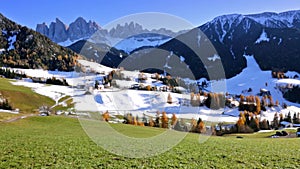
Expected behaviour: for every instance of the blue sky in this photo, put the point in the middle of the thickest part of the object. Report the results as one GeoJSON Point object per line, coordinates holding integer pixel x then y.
{"type": "Point", "coordinates": [197, 12]}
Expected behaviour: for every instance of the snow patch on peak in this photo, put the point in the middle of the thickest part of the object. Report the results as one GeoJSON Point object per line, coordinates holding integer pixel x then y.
{"type": "Point", "coordinates": [224, 23]}
{"type": "Point", "coordinates": [263, 37]}
{"type": "Point", "coordinates": [276, 20]}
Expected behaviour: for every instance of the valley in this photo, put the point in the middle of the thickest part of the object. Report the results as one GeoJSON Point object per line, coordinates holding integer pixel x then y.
{"type": "Point", "coordinates": [223, 94]}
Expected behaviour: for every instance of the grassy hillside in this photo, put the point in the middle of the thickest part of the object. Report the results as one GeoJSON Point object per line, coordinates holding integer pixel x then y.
{"type": "Point", "coordinates": [23, 98]}
{"type": "Point", "coordinates": [58, 142]}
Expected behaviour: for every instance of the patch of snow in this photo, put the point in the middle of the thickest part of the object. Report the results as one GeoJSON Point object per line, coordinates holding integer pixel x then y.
{"type": "Point", "coordinates": [182, 59]}
{"type": "Point", "coordinates": [9, 111]}
{"type": "Point", "coordinates": [263, 37]}
{"type": "Point", "coordinates": [55, 92]}
{"type": "Point", "coordinates": [232, 53]}
{"type": "Point", "coordinates": [11, 41]}
{"type": "Point", "coordinates": [199, 38]}
{"type": "Point", "coordinates": [214, 57]}
{"type": "Point", "coordinates": [4, 32]}
{"type": "Point", "coordinates": [68, 42]}
{"type": "Point", "coordinates": [167, 66]}
{"type": "Point", "coordinates": [247, 26]}
{"type": "Point", "coordinates": [253, 77]}
{"type": "Point", "coordinates": [284, 82]}
{"type": "Point", "coordinates": [96, 54]}
{"type": "Point", "coordinates": [132, 43]}
{"type": "Point", "coordinates": [95, 66]}
{"type": "Point", "coordinates": [2, 50]}
{"type": "Point", "coordinates": [291, 74]}
{"type": "Point", "coordinates": [280, 41]}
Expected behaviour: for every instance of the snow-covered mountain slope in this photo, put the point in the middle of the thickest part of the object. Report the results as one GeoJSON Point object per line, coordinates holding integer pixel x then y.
{"type": "Point", "coordinates": [121, 100]}
{"type": "Point", "coordinates": [146, 40]}
{"type": "Point", "coordinates": [273, 45]}
{"type": "Point", "coordinates": [253, 77]}
{"type": "Point", "coordinates": [277, 20]}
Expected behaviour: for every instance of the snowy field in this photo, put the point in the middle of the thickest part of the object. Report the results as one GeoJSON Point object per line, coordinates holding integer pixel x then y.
{"type": "Point", "coordinates": [137, 102]}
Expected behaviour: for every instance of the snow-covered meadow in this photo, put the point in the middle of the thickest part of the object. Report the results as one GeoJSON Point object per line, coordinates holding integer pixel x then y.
{"type": "Point", "coordinates": [123, 100]}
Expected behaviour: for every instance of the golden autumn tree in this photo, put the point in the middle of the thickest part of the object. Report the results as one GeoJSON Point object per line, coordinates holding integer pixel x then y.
{"type": "Point", "coordinates": [242, 116]}
{"type": "Point", "coordinates": [242, 98]}
{"type": "Point", "coordinates": [164, 120]}
{"type": "Point", "coordinates": [240, 124]}
{"type": "Point", "coordinates": [192, 96]}
{"type": "Point", "coordinates": [135, 121]}
{"type": "Point", "coordinates": [198, 98]}
{"type": "Point", "coordinates": [174, 119]}
{"type": "Point", "coordinates": [151, 122]}
{"type": "Point", "coordinates": [193, 125]}
{"type": "Point", "coordinates": [258, 106]}
{"type": "Point", "coordinates": [105, 116]}
{"type": "Point", "coordinates": [271, 101]}
{"type": "Point", "coordinates": [201, 127]}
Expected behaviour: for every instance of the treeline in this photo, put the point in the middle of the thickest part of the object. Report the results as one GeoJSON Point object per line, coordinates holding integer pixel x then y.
{"type": "Point", "coordinates": [53, 81]}
{"type": "Point", "coordinates": [249, 122]}
{"type": "Point", "coordinates": [11, 74]}
{"type": "Point", "coordinates": [211, 100]}
{"type": "Point", "coordinates": [161, 120]}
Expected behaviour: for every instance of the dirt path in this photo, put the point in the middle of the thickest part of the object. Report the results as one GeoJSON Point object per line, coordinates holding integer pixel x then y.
{"type": "Point", "coordinates": [19, 118]}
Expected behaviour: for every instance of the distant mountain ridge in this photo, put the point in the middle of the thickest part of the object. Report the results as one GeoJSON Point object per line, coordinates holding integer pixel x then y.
{"type": "Point", "coordinates": [272, 38]}
{"type": "Point", "coordinates": [59, 32]}
{"type": "Point", "coordinates": [80, 29]}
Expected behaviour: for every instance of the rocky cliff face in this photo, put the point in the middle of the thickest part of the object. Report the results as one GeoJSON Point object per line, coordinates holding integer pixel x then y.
{"type": "Point", "coordinates": [81, 29]}
{"type": "Point", "coordinates": [59, 32]}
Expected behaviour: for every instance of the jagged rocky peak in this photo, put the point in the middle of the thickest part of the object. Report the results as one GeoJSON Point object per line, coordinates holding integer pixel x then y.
{"type": "Point", "coordinates": [59, 32]}
{"type": "Point", "coordinates": [42, 28]}
{"type": "Point", "coordinates": [80, 28]}
{"type": "Point", "coordinates": [126, 30]}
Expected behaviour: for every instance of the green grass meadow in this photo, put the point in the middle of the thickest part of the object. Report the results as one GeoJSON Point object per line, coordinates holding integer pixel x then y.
{"type": "Point", "coordinates": [22, 97]}
{"type": "Point", "coordinates": [60, 142]}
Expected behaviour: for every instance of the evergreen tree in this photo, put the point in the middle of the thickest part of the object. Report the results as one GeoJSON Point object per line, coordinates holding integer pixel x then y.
{"type": "Point", "coordinates": [264, 125]}
{"type": "Point", "coordinates": [289, 117]}
{"type": "Point", "coordinates": [174, 120]}
{"type": "Point", "coordinates": [178, 127]}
